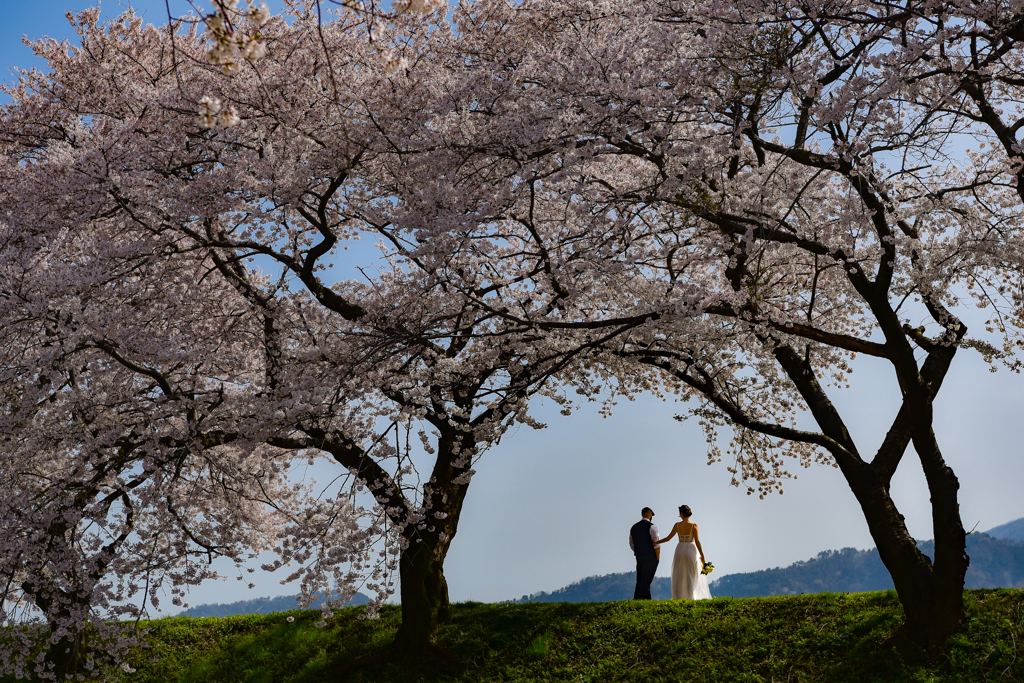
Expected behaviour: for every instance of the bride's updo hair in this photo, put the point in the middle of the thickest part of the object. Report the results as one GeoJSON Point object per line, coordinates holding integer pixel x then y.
{"type": "Point", "coordinates": [685, 511]}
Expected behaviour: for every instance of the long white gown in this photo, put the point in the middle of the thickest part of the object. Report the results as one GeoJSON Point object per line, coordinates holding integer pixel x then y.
{"type": "Point", "coordinates": [687, 581]}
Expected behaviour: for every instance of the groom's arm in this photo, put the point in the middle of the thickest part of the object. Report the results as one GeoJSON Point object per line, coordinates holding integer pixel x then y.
{"type": "Point", "coordinates": [655, 538]}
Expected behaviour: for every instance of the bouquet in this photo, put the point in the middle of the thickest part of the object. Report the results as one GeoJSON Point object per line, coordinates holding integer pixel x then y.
{"type": "Point", "coordinates": [707, 568]}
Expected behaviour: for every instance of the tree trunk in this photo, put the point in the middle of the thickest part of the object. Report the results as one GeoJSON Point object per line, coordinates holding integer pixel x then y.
{"type": "Point", "coordinates": [425, 605]}
{"type": "Point", "coordinates": [424, 590]}
{"type": "Point", "coordinates": [65, 656]}
{"type": "Point", "coordinates": [931, 592]}
{"type": "Point", "coordinates": [951, 560]}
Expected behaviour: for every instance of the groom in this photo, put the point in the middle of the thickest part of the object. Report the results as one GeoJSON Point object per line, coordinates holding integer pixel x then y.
{"type": "Point", "coordinates": [642, 537]}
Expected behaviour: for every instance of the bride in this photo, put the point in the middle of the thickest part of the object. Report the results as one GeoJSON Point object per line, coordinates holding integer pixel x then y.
{"type": "Point", "coordinates": [687, 581]}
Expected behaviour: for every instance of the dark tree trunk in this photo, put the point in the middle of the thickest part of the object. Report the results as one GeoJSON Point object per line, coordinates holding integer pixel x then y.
{"type": "Point", "coordinates": [424, 589]}
{"type": "Point", "coordinates": [425, 605]}
{"type": "Point", "coordinates": [931, 592]}
{"type": "Point", "coordinates": [66, 655]}
{"type": "Point", "coordinates": [946, 608]}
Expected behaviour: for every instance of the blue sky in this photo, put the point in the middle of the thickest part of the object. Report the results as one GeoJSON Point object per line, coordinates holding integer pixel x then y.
{"type": "Point", "coordinates": [46, 17]}
{"type": "Point", "coordinates": [551, 507]}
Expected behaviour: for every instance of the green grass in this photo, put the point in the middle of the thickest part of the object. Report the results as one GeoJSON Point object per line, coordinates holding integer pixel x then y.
{"type": "Point", "coordinates": [827, 637]}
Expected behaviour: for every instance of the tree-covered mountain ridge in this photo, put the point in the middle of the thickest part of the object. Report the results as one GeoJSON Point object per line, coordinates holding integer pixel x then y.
{"type": "Point", "coordinates": [996, 562]}
{"type": "Point", "coordinates": [1013, 531]}
{"type": "Point", "coordinates": [282, 603]}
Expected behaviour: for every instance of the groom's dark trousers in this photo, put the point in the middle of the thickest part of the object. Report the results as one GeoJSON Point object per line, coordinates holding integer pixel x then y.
{"type": "Point", "coordinates": [646, 559]}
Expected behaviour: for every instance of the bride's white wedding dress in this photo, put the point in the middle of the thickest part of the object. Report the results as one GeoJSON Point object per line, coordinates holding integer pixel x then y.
{"type": "Point", "coordinates": [687, 581]}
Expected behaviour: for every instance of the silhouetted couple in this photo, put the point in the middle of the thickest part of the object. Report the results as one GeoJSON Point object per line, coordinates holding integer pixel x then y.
{"type": "Point", "coordinates": [688, 583]}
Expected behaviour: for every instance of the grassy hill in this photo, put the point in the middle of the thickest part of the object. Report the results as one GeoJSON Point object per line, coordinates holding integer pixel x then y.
{"type": "Point", "coordinates": [829, 638]}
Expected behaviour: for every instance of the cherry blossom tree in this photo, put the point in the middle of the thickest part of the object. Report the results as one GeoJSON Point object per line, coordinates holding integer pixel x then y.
{"type": "Point", "coordinates": [754, 194]}
{"type": "Point", "coordinates": [197, 211]}
{"type": "Point", "coordinates": [132, 456]}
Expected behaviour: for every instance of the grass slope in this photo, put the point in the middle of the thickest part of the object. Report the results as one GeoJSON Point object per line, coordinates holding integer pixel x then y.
{"type": "Point", "coordinates": [826, 637]}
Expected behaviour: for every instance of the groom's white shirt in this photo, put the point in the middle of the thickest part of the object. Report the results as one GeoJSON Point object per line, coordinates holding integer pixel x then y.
{"type": "Point", "coordinates": [654, 536]}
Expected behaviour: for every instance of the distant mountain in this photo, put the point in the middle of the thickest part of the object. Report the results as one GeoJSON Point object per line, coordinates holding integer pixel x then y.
{"type": "Point", "coordinates": [995, 563]}
{"type": "Point", "coordinates": [1012, 530]}
{"type": "Point", "coordinates": [282, 603]}
{"type": "Point", "coordinates": [601, 589]}
{"type": "Point", "coordinates": [832, 571]}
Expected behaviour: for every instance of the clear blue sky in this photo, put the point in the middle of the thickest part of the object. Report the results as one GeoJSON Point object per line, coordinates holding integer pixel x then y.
{"type": "Point", "coordinates": [548, 508]}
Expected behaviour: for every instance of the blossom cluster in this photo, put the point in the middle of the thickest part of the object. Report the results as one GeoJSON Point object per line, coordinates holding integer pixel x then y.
{"type": "Point", "coordinates": [234, 33]}
{"type": "Point", "coordinates": [419, 6]}
{"type": "Point", "coordinates": [212, 113]}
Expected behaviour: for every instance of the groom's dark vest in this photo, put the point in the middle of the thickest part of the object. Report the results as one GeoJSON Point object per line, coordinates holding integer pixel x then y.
{"type": "Point", "coordinates": [643, 546]}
